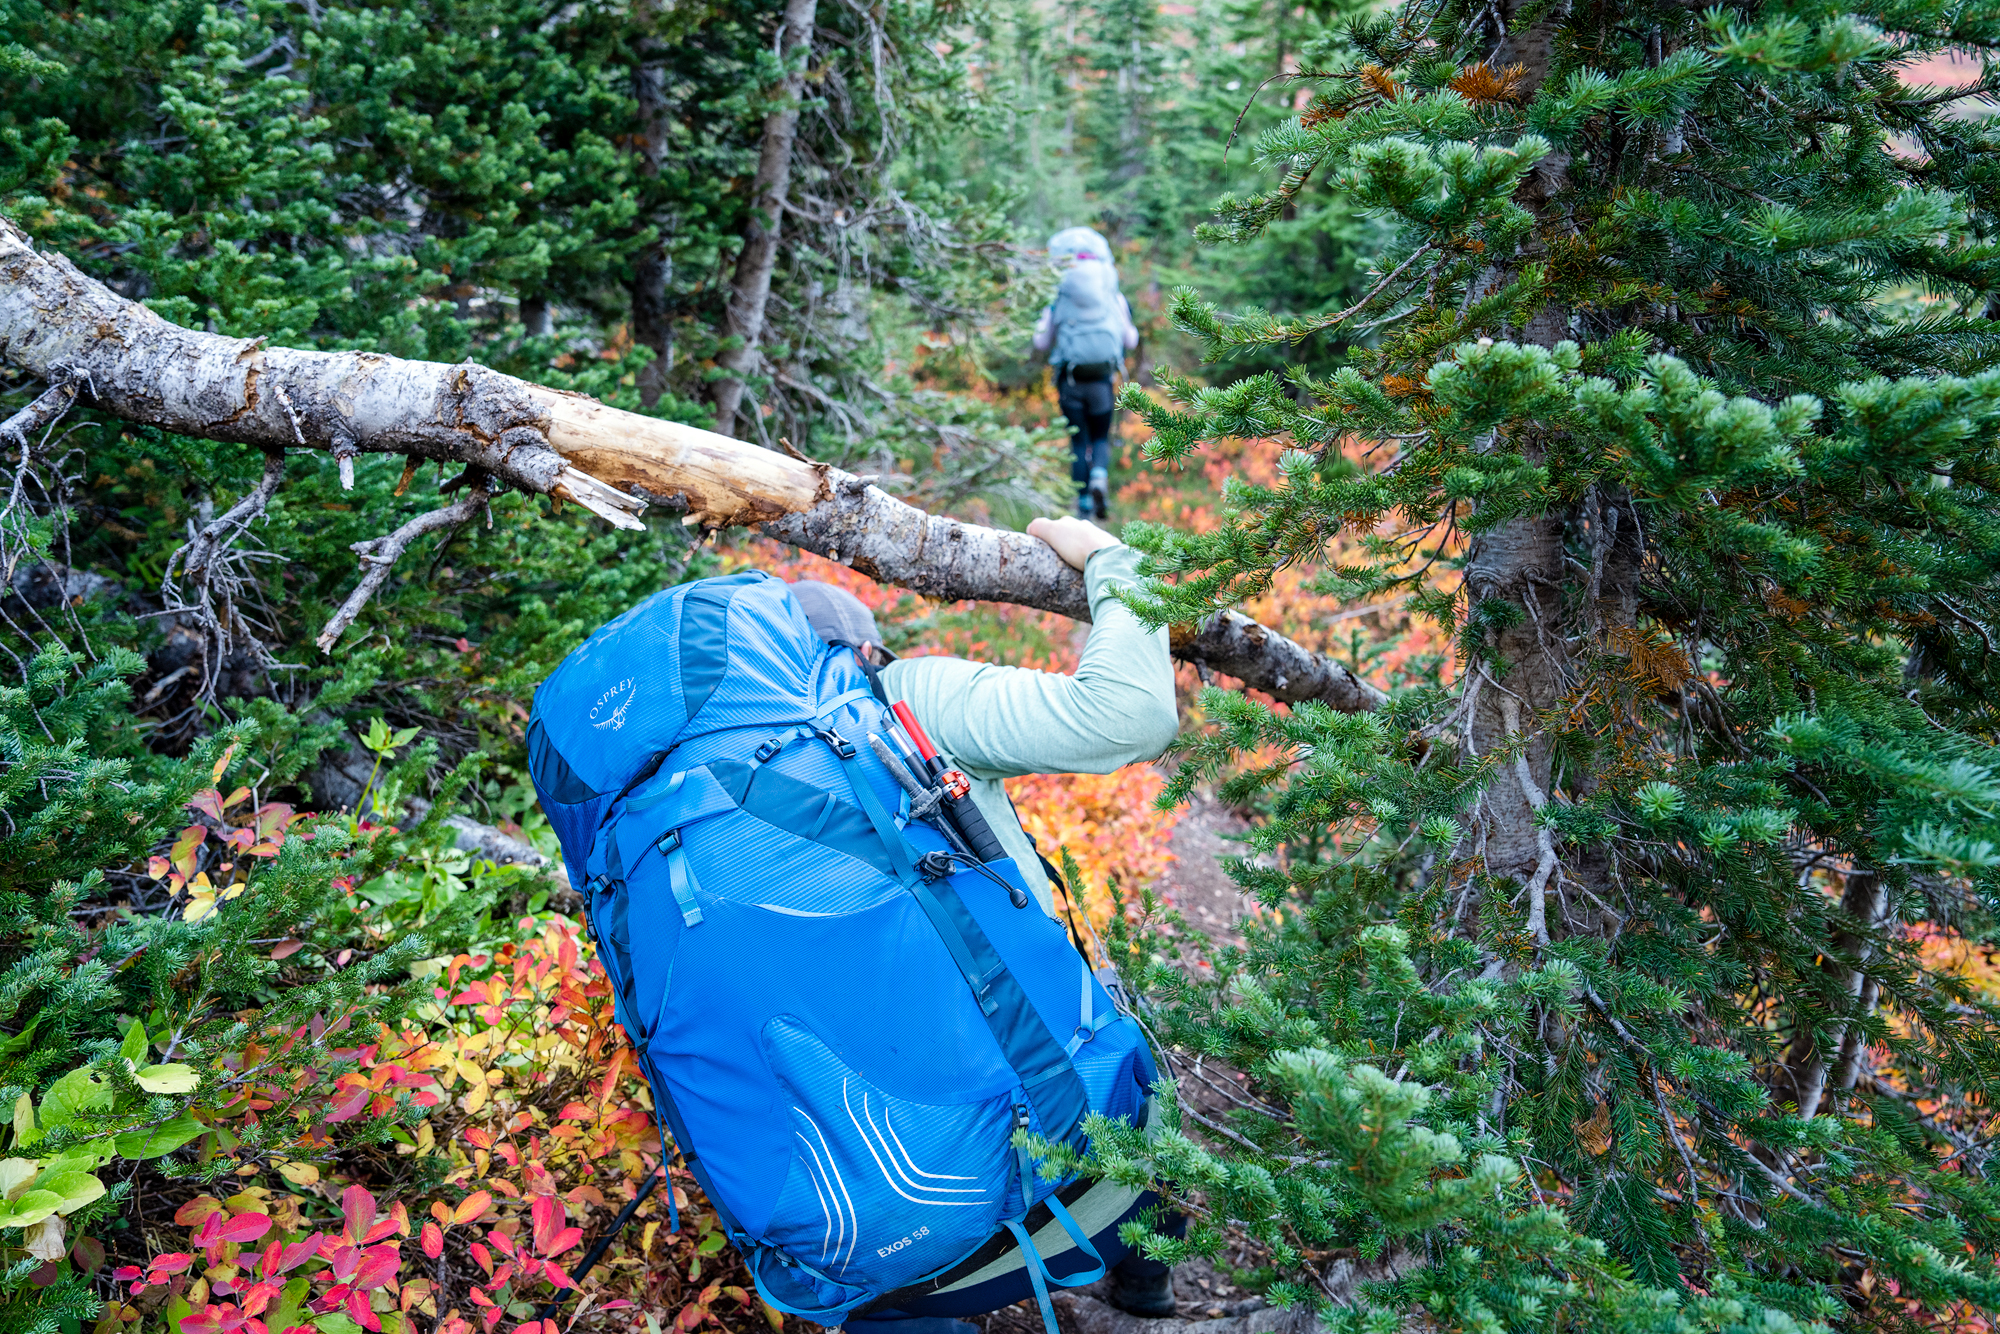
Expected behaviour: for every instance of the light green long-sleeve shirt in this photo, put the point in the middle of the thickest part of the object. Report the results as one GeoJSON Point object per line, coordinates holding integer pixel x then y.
{"type": "Point", "coordinates": [998, 722]}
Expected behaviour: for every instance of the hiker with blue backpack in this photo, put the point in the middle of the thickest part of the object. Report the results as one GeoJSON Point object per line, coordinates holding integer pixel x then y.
{"type": "Point", "coordinates": [837, 953]}
{"type": "Point", "coordinates": [1087, 330]}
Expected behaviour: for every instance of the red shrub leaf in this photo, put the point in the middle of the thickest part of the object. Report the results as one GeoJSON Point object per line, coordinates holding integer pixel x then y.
{"type": "Point", "coordinates": [298, 1252]}
{"type": "Point", "coordinates": [195, 1211]}
{"type": "Point", "coordinates": [549, 1217]}
{"type": "Point", "coordinates": [359, 1207]}
{"type": "Point", "coordinates": [348, 1105]}
{"type": "Point", "coordinates": [432, 1240]}
{"type": "Point", "coordinates": [357, 1307]}
{"type": "Point", "coordinates": [344, 1260]}
{"type": "Point", "coordinates": [378, 1267]}
{"type": "Point", "coordinates": [259, 1297]}
{"type": "Point", "coordinates": [246, 1228]}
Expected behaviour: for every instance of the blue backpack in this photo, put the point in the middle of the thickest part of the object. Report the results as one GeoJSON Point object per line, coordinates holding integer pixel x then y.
{"type": "Point", "coordinates": [843, 1047]}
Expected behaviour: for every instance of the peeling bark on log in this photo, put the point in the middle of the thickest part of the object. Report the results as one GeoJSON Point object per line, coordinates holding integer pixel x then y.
{"type": "Point", "coordinates": [59, 324]}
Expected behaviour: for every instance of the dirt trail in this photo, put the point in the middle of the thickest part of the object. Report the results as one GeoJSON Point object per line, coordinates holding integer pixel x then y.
{"type": "Point", "coordinates": [1209, 1303]}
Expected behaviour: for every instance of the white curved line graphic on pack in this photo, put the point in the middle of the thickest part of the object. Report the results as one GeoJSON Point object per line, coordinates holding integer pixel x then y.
{"type": "Point", "coordinates": [936, 1176]}
{"type": "Point", "coordinates": [877, 1141]}
{"type": "Point", "coordinates": [849, 1228]}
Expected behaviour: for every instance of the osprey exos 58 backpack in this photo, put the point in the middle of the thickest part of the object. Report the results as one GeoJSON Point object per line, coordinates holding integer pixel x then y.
{"type": "Point", "coordinates": [842, 1034]}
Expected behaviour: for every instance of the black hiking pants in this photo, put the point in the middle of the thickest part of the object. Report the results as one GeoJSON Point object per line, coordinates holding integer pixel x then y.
{"type": "Point", "coordinates": [1087, 405]}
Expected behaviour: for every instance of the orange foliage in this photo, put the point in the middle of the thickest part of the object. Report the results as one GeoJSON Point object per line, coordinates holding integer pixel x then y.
{"type": "Point", "coordinates": [1109, 824]}
{"type": "Point", "coordinates": [538, 1128]}
{"type": "Point", "coordinates": [1320, 621]}
{"type": "Point", "coordinates": [1483, 83]}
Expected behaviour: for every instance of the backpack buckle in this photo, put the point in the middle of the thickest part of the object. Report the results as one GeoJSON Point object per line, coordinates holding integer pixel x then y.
{"type": "Point", "coordinates": [841, 745]}
{"type": "Point", "coordinates": [668, 842]}
{"type": "Point", "coordinates": [597, 884]}
{"type": "Point", "coordinates": [768, 749]}
{"type": "Point", "coordinates": [934, 865]}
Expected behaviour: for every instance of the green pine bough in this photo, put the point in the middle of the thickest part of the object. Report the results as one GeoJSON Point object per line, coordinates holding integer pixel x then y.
{"type": "Point", "coordinates": [1596, 998]}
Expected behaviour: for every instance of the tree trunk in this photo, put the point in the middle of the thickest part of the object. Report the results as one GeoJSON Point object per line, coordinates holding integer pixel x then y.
{"type": "Point", "coordinates": [65, 327]}
{"type": "Point", "coordinates": [750, 291]}
{"type": "Point", "coordinates": [1521, 563]}
{"type": "Point", "coordinates": [535, 319]}
{"type": "Point", "coordinates": [1809, 1068]}
{"type": "Point", "coordinates": [654, 271]}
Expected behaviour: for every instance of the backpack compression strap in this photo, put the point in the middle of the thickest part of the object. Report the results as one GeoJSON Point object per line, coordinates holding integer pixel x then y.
{"type": "Point", "coordinates": [1039, 1061]}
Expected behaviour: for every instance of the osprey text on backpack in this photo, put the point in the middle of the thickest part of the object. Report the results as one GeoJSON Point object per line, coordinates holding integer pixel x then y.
{"type": "Point", "coordinates": [843, 1028]}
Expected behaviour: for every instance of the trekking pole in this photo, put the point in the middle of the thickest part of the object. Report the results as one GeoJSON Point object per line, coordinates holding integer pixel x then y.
{"type": "Point", "coordinates": [596, 1253]}
{"type": "Point", "coordinates": [971, 822]}
{"type": "Point", "coordinates": [924, 801]}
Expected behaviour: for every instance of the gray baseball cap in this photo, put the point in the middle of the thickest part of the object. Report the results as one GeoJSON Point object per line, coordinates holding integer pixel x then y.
{"type": "Point", "coordinates": [838, 616]}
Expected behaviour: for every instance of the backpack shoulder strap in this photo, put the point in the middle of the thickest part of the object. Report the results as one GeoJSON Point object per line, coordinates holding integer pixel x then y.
{"type": "Point", "coordinates": [874, 675]}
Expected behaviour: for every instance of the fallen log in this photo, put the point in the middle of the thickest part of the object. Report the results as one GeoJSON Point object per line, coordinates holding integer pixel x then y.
{"type": "Point", "coordinates": [68, 329]}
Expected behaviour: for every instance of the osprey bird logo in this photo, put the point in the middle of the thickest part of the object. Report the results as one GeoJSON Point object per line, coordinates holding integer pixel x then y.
{"type": "Point", "coordinates": [609, 711]}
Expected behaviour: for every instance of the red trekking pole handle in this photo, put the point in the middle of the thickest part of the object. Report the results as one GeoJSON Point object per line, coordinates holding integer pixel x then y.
{"type": "Point", "coordinates": [965, 813]}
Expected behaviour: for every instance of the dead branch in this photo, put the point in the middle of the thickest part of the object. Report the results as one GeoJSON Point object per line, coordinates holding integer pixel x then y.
{"type": "Point", "coordinates": [195, 556]}
{"type": "Point", "coordinates": [379, 554]}
{"type": "Point", "coordinates": [38, 416]}
{"type": "Point", "coordinates": [59, 324]}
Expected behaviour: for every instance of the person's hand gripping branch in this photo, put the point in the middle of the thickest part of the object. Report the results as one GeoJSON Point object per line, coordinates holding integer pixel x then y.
{"type": "Point", "coordinates": [1073, 539]}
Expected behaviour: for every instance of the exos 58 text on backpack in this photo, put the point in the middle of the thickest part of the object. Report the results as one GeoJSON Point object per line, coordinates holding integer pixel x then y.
{"type": "Point", "coordinates": [843, 1015]}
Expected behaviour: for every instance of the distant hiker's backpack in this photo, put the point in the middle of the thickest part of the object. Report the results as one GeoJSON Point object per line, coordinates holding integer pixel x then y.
{"type": "Point", "coordinates": [842, 1046]}
{"type": "Point", "coordinates": [1088, 320]}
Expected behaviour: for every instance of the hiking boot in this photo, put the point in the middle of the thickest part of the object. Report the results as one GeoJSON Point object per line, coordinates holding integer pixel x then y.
{"type": "Point", "coordinates": [1150, 1295]}
{"type": "Point", "coordinates": [1084, 505]}
{"type": "Point", "coordinates": [1100, 485]}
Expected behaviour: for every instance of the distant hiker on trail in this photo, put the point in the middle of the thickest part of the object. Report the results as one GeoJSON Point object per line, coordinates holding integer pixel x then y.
{"type": "Point", "coordinates": [1087, 330]}
{"type": "Point", "coordinates": [998, 722]}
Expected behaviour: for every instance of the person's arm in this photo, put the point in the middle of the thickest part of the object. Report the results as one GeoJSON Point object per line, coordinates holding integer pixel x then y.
{"type": "Point", "coordinates": [1045, 329]}
{"type": "Point", "coordinates": [997, 722]}
{"type": "Point", "coordinates": [1131, 331]}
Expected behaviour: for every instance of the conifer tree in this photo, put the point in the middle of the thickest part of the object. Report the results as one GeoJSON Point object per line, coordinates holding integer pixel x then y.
{"type": "Point", "coordinates": [1597, 997]}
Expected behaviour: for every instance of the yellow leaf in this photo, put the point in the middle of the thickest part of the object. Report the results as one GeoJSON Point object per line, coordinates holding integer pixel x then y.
{"type": "Point", "coordinates": [303, 1174]}
{"type": "Point", "coordinates": [470, 1072]}
{"type": "Point", "coordinates": [15, 1174]}
{"type": "Point", "coordinates": [199, 908]}
{"type": "Point", "coordinates": [475, 1097]}
{"type": "Point", "coordinates": [170, 1078]}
